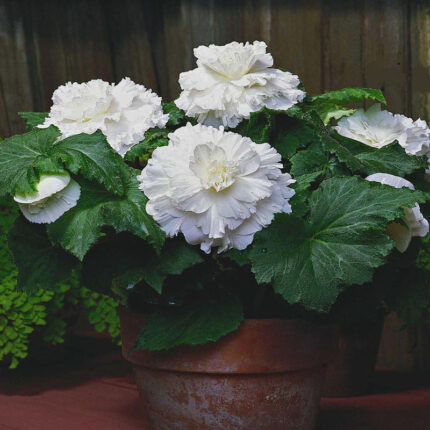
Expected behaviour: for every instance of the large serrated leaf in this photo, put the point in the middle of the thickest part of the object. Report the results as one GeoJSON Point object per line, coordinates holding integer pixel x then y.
{"type": "Point", "coordinates": [93, 158]}
{"type": "Point", "coordinates": [33, 119]}
{"type": "Point", "coordinates": [389, 159]}
{"type": "Point", "coordinates": [154, 138]}
{"type": "Point", "coordinates": [79, 228]}
{"type": "Point", "coordinates": [196, 324]}
{"type": "Point", "coordinates": [176, 116]}
{"type": "Point", "coordinates": [40, 265]}
{"type": "Point", "coordinates": [176, 256]}
{"type": "Point", "coordinates": [23, 158]}
{"type": "Point", "coordinates": [259, 125]}
{"type": "Point", "coordinates": [332, 103]}
{"type": "Point", "coordinates": [126, 260]}
{"type": "Point", "coordinates": [341, 243]}
{"type": "Point", "coordinates": [349, 95]}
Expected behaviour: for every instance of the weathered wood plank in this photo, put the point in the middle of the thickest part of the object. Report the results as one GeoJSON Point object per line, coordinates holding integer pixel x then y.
{"type": "Point", "coordinates": [419, 74]}
{"type": "Point", "coordinates": [16, 90]}
{"type": "Point", "coordinates": [67, 46]}
{"type": "Point", "coordinates": [296, 42]}
{"type": "Point", "coordinates": [385, 51]}
{"type": "Point", "coordinates": [342, 41]}
{"type": "Point", "coordinates": [130, 47]}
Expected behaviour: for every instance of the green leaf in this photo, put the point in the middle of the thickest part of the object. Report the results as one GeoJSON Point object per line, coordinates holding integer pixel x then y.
{"type": "Point", "coordinates": [331, 104]}
{"type": "Point", "coordinates": [20, 157]}
{"type": "Point", "coordinates": [259, 126]}
{"type": "Point", "coordinates": [341, 243]}
{"type": "Point", "coordinates": [328, 112]}
{"type": "Point", "coordinates": [291, 134]}
{"type": "Point", "coordinates": [323, 134]}
{"type": "Point", "coordinates": [239, 257]}
{"type": "Point", "coordinates": [389, 159]}
{"type": "Point", "coordinates": [154, 138]}
{"type": "Point", "coordinates": [175, 257]}
{"type": "Point", "coordinates": [411, 300]}
{"type": "Point", "coordinates": [176, 116]}
{"type": "Point", "coordinates": [197, 324]}
{"type": "Point", "coordinates": [39, 263]}
{"type": "Point", "coordinates": [309, 161]}
{"type": "Point", "coordinates": [349, 95]}
{"type": "Point", "coordinates": [126, 260]}
{"type": "Point", "coordinates": [33, 119]}
{"type": "Point", "coordinates": [23, 158]}
{"type": "Point", "coordinates": [79, 228]}
{"type": "Point", "coordinates": [92, 157]}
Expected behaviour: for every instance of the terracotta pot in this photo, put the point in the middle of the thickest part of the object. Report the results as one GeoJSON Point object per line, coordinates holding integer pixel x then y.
{"type": "Point", "coordinates": [350, 369]}
{"type": "Point", "coordinates": [266, 375]}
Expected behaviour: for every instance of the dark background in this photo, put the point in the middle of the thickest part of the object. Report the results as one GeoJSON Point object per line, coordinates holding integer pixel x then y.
{"type": "Point", "coordinates": [330, 44]}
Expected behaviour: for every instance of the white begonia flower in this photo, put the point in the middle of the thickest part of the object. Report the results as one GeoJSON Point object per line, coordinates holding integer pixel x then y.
{"type": "Point", "coordinates": [123, 112]}
{"type": "Point", "coordinates": [415, 225]}
{"type": "Point", "coordinates": [233, 80]}
{"type": "Point", "coordinates": [55, 195]}
{"type": "Point", "coordinates": [379, 128]}
{"type": "Point", "coordinates": [417, 140]}
{"type": "Point", "coordinates": [374, 127]}
{"type": "Point", "coordinates": [417, 136]}
{"type": "Point", "coordinates": [216, 187]}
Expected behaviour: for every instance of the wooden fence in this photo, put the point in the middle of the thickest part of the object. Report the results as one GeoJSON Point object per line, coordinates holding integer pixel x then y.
{"type": "Point", "coordinates": [330, 44]}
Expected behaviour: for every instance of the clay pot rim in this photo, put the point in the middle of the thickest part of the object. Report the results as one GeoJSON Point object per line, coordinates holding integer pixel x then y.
{"type": "Point", "coordinates": [259, 345]}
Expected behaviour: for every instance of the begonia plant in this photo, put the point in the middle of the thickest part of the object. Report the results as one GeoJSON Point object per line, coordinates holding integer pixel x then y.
{"type": "Point", "coordinates": [243, 198]}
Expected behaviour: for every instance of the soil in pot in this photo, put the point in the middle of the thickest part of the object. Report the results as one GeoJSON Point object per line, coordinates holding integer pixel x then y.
{"type": "Point", "coordinates": [266, 375]}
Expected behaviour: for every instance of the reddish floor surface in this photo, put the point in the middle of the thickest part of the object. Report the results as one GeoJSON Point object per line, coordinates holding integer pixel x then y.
{"type": "Point", "coordinates": [92, 390]}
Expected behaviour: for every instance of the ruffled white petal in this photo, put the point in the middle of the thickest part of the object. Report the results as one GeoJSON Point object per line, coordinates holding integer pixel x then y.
{"type": "Point", "coordinates": [47, 186]}
{"type": "Point", "coordinates": [374, 127]}
{"type": "Point", "coordinates": [416, 224]}
{"type": "Point", "coordinates": [217, 188]}
{"type": "Point", "coordinates": [123, 112]}
{"type": "Point", "coordinates": [417, 140]}
{"type": "Point", "coordinates": [53, 207]}
{"type": "Point", "coordinates": [232, 81]}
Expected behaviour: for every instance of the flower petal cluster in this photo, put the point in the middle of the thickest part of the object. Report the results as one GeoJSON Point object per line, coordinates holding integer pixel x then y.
{"type": "Point", "coordinates": [123, 112]}
{"type": "Point", "coordinates": [415, 225]}
{"type": "Point", "coordinates": [55, 195]}
{"type": "Point", "coordinates": [374, 127]}
{"type": "Point", "coordinates": [216, 187]}
{"type": "Point", "coordinates": [233, 80]}
{"type": "Point", "coordinates": [417, 140]}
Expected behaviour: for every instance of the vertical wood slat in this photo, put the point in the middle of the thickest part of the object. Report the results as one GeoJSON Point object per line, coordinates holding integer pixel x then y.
{"type": "Point", "coordinates": [385, 51]}
{"type": "Point", "coordinates": [419, 16]}
{"type": "Point", "coordinates": [130, 47]}
{"type": "Point", "coordinates": [71, 45]}
{"type": "Point", "coordinates": [15, 84]}
{"type": "Point", "coordinates": [296, 42]}
{"type": "Point", "coordinates": [342, 41]}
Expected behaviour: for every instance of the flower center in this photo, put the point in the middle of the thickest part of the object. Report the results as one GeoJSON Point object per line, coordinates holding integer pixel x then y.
{"type": "Point", "coordinates": [101, 109]}
{"type": "Point", "coordinates": [220, 175]}
{"type": "Point", "coordinates": [232, 63]}
{"type": "Point", "coordinates": [211, 166]}
{"type": "Point", "coordinates": [35, 208]}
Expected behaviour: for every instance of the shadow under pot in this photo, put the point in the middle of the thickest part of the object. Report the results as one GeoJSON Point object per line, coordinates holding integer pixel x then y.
{"type": "Point", "coordinates": [266, 375]}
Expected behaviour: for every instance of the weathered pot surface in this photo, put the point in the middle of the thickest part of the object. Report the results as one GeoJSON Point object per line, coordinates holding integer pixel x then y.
{"type": "Point", "coordinates": [351, 367]}
{"type": "Point", "coordinates": [266, 375]}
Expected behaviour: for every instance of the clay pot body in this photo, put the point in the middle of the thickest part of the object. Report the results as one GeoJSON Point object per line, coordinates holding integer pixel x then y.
{"type": "Point", "coordinates": [266, 375]}
{"type": "Point", "coordinates": [351, 367]}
